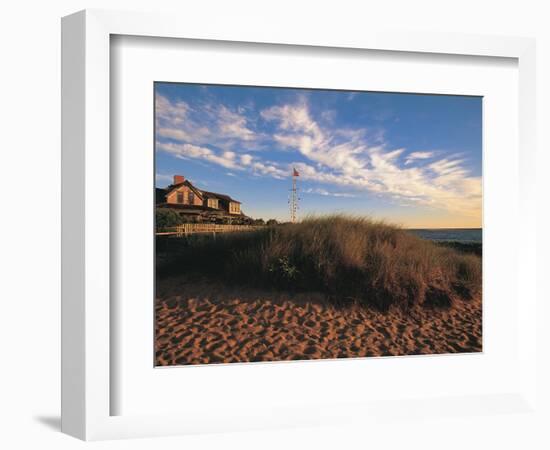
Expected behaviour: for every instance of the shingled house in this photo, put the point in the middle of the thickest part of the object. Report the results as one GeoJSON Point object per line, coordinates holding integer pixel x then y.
{"type": "Point", "coordinates": [198, 205]}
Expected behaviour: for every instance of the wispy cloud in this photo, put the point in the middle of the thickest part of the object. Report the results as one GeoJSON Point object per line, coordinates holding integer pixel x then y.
{"type": "Point", "coordinates": [418, 155]}
{"type": "Point", "coordinates": [189, 151]}
{"type": "Point", "coordinates": [324, 192]}
{"type": "Point", "coordinates": [205, 124]}
{"type": "Point", "coordinates": [234, 125]}
{"type": "Point", "coordinates": [227, 159]}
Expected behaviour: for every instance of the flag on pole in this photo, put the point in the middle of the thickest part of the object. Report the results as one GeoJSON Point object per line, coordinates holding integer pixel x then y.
{"type": "Point", "coordinates": [295, 172]}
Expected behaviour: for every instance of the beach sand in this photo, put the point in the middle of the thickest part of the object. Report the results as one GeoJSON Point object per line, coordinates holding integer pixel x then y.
{"type": "Point", "coordinates": [201, 322]}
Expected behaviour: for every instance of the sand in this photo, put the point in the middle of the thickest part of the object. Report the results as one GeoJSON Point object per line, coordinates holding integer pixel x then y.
{"type": "Point", "coordinates": [200, 322]}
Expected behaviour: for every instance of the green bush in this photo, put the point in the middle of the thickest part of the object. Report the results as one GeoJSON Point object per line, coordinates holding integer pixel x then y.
{"type": "Point", "coordinates": [284, 272]}
{"type": "Point", "coordinates": [165, 218]}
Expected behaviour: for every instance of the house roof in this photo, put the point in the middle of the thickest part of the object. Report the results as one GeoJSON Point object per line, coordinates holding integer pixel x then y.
{"type": "Point", "coordinates": [227, 198]}
{"type": "Point", "coordinates": [185, 183]}
{"type": "Point", "coordinates": [160, 194]}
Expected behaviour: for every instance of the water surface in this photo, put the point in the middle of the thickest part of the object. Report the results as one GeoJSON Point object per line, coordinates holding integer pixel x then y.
{"type": "Point", "coordinates": [449, 234]}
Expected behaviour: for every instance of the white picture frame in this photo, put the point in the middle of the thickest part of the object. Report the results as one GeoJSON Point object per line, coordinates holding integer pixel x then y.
{"type": "Point", "coordinates": [87, 386]}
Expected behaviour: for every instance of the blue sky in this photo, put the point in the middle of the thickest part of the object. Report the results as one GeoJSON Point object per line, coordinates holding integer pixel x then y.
{"type": "Point", "coordinates": [410, 159]}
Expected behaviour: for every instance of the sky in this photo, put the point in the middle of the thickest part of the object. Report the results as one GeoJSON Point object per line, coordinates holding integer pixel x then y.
{"type": "Point", "coordinates": [409, 159]}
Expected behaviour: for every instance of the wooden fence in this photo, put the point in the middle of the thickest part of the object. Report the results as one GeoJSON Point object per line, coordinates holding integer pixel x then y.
{"type": "Point", "coordinates": [212, 228]}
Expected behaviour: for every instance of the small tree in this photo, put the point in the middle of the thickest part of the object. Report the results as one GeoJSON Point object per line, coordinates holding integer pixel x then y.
{"type": "Point", "coordinates": [258, 222]}
{"type": "Point", "coordinates": [272, 222]}
{"type": "Point", "coordinates": [165, 218]}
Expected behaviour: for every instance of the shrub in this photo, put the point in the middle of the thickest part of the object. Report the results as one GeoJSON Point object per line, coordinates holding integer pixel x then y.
{"type": "Point", "coordinates": [284, 272]}
{"type": "Point", "coordinates": [165, 218]}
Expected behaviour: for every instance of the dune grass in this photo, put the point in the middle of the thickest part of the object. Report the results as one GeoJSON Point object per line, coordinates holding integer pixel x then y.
{"type": "Point", "coordinates": [349, 259]}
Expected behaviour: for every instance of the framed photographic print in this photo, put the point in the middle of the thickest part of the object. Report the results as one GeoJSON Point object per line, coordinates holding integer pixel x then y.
{"type": "Point", "coordinates": [339, 224]}
{"type": "Point", "coordinates": [267, 229]}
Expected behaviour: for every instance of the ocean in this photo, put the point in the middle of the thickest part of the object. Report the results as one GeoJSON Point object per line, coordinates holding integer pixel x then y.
{"type": "Point", "coordinates": [465, 235]}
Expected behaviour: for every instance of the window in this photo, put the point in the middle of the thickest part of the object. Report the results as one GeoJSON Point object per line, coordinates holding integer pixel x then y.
{"type": "Point", "coordinates": [180, 197]}
{"type": "Point", "coordinates": [191, 198]}
{"type": "Point", "coordinates": [213, 203]}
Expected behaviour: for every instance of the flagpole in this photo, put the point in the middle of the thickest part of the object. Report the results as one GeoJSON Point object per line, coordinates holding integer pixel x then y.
{"type": "Point", "coordinates": [294, 197]}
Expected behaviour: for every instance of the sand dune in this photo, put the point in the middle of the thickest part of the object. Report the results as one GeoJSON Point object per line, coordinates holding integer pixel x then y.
{"type": "Point", "coordinates": [202, 322]}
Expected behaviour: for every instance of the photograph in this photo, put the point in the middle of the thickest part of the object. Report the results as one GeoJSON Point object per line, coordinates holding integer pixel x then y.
{"type": "Point", "coordinates": [296, 224]}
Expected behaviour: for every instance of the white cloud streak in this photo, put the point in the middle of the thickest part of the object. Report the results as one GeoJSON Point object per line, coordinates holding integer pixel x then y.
{"type": "Point", "coordinates": [418, 155]}
{"type": "Point", "coordinates": [325, 193]}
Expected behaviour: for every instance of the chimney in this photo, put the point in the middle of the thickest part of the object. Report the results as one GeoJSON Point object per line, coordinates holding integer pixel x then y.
{"type": "Point", "coordinates": [178, 179]}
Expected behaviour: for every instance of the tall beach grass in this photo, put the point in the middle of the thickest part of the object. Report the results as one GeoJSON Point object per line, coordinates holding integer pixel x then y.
{"type": "Point", "coordinates": [350, 259]}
